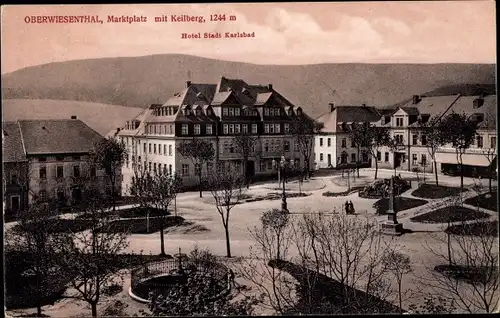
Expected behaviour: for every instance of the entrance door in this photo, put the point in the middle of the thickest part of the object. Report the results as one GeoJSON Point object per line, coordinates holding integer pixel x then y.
{"type": "Point", "coordinates": [76, 195]}
{"type": "Point", "coordinates": [329, 160]}
{"type": "Point", "coordinates": [14, 202]}
{"type": "Point", "coordinates": [250, 169]}
{"type": "Point", "coordinates": [397, 160]}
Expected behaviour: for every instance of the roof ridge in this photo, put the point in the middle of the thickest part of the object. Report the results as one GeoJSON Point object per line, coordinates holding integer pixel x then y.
{"type": "Point", "coordinates": [22, 138]}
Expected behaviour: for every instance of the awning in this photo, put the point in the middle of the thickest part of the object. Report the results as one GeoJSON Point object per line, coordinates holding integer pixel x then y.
{"type": "Point", "coordinates": [467, 159]}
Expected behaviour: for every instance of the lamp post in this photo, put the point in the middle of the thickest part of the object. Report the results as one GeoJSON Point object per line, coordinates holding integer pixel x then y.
{"type": "Point", "coordinates": [391, 225]}
{"type": "Point", "coordinates": [277, 167]}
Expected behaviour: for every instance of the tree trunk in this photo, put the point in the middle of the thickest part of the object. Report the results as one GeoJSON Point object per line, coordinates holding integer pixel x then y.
{"type": "Point", "coordinates": [448, 243]}
{"type": "Point", "coordinates": [376, 168]}
{"type": "Point", "coordinates": [357, 162]}
{"type": "Point", "coordinates": [199, 182]}
{"type": "Point", "coordinates": [400, 298]}
{"type": "Point", "coordinates": [113, 193]}
{"type": "Point", "coordinates": [308, 167]}
{"type": "Point", "coordinates": [228, 244]}
{"type": "Point", "coordinates": [94, 309]}
{"type": "Point", "coordinates": [162, 239]}
{"type": "Point", "coordinates": [490, 176]}
{"type": "Point", "coordinates": [436, 172]}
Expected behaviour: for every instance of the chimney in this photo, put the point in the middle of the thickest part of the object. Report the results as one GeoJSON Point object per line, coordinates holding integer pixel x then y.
{"type": "Point", "coordinates": [416, 99]}
{"type": "Point", "coordinates": [188, 83]}
{"type": "Point", "coordinates": [332, 106]}
{"type": "Point", "coordinates": [118, 130]}
{"type": "Point", "coordinates": [270, 86]}
{"type": "Point", "coordinates": [73, 117]}
{"type": "Point", "coordinates": [363, 105]}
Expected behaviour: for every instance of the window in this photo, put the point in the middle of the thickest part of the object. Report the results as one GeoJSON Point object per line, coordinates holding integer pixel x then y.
{"type": "Point", "coordinates": [254, 128]}
{"type": "Point", "coordinates": [266, 128]}
{"type": "Point", "coordinates": [386, 157]}
{"type": "Point", "coordinates": [169, 150]}
{"type": "Point", "coordinates": [231, 128]}
{"type": "Point", "coordinates": [479, 141]}
{"type": "Point", "coordinates": [329, 142]}
{"type": "Point", "coordinates": [321, 157]}
{"type": "Point", "coordinates": [154, 148]}
{"type": "Point", "coordinates": [399, 122]}
{"type": "Point", "coordinates": [424, 160]}
{"type": "Point", "coordinates": [60, 158]}
{"type": "Point", "coordinates": [344, 143]}
{"type": "Point", "coordinates": [271, 128]}
{"type": "Point", "coordinates": [159, 149]}
{"type": "Point", "coordinates": [92, 171]}
{"type": "Point", "coordinates": [277, 128]}
{"type": "Point", "coordinates": [170, 128]}
{"type": "Point", "coordinates": [353, 144]}
{"type": "Point", "coordinates": [414, 159]}
{"type": "Point", "coordinates": [224, 111]}
{"type": "Point", "coordinates": [231, 111]}
{"type": "Point", "coordinates": [149, 166]}
{"type": "Point", "coordinates": [170, 169]}
{"type": "Point", "coordinates": [184, 129]}
{"type": "Point", "coordinates": [286, 127]}
{"type": "Point", "coordinates": [424, 140]}
{"type": "Point", "coordinates": [209, 129]}
{"type": "Point", "coordinates": [266, 111]}
{"type": "Point", "coordinates": [42, 195]}
{"type": "Point", "coordinates": [237, 128]}
{"type": "Point", "coordinates": [493, 142]}
{"type": "Point", "coordinates": [42, 159]}
{"type": "Point", "coordinates": [244, 128]}
{"type": "Point", "coordinates": [149, 146]}
{"type": "Point", "coordinates": [154, 167]}
{"type": "Point", "coordinates": [277, 112]}
{"type": "Point", "coordinates": [185, 170]}
{"type": "Point", "coordinates": [321, 142]}
{"type": "Point", "coordinates": [43, 173]}
{"type": "Point", "coordinates": [286, 145]}
{"type": "Point", "coordinates": [145, 147]}
{"type": "Point", "coordinates": [379, 156]}
{"type": "Point", "coordinates": [225, 128]}
{"type": "Point", "coordinates": [60, 172]}
{"type": "Point", "coordinates": [414, 140]}
{"type": "Point", "coordinates": [353, 157]}
{"type": "Point", "coordinates": [76, 171]}
{"type": "Point", "coordinates": [165, 150]}
{"type": "Point", "coordinates": [197, 129]}
{"type": "Point", "coordinates": [295, 146]}
{"type": "Point", "coordinates": [236, 112]}
{"type": "Point", "coordinates": [266, 146]}
{"type": "Point", "coordinates": [76, 158]}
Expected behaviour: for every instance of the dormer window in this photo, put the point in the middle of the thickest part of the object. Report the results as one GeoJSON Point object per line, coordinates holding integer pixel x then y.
{"type": "Point", "coordinates": [290, 112]}
{"type": "Point", "coordinates": [198, 111]}
{"type": "Point", "coordinates": [299, 111]}
{"type": "Point", "coordinates": [478, 102]}
{"type": "Point", "coordinates": [209, 111]}
{"type": "Point", "coordinates": [477, 117]}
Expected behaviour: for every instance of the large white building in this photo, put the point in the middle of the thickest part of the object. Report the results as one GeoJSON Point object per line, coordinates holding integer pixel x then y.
{"type": "Point", "coordinates": [217, 113]}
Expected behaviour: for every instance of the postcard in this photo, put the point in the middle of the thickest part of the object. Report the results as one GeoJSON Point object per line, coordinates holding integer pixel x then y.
{"type": "Point", "coordinates": [302, 158]}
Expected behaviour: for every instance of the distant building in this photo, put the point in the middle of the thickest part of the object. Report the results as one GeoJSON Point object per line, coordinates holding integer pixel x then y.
{"type": "Point", "coordinates": [217, 113]}
{"type": "Point", "coordinates": [47, 159]}
{"type": "Point", "coordinates": [334, 147]}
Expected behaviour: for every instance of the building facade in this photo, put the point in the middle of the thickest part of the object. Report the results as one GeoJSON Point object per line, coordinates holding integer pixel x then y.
{"type": "Point", "coordinates": [48, 159]}
{"type": "Point", "coordinates": [218, 113]}
{"type": "Point", "coordinates": [333, 147]}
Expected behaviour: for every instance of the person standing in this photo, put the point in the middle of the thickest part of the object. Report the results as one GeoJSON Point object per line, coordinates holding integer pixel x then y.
{"type": "Point", "coordinates": [346, 207]}
{"type": "Point", "coordinates": [351, 207]}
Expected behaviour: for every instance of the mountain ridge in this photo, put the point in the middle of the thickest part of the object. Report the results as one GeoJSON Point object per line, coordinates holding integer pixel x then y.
{"type": "Point", "coordinates": [144, 80]}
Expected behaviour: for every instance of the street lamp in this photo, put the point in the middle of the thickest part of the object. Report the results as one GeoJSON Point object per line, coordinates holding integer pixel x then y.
{"type": "Point", "coordinates": [282, 166]}
{"type": "Point", "coordinates": [275, 166]}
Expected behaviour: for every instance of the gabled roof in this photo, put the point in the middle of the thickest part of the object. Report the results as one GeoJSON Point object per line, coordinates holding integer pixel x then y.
{"type": "Point", "coordinates": [57, 136]}
{"type": "Point", "coordinates": [465, 105]}
{"type": "Point", "coordinates": [356, 114]}
{"type": "Point", "coordinates": [13, 150]}
{"type": "Point", "coordinates": [433, 105]}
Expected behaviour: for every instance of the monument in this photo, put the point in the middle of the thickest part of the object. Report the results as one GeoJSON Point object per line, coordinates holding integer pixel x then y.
{"type": "Point", "coordinates": [391, 226]}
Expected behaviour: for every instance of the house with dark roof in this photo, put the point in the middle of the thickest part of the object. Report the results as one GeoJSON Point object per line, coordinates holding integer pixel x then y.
{"type": "Point", "coordinates": [333, 147]}
{"type": "Point", "coordinates": [53, 156]}
{"type": "Point", "coordinates": [217, 113]}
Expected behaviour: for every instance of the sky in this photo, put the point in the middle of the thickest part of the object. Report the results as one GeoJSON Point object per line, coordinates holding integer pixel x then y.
{"type": "Point", "coordinates": [285, 33]}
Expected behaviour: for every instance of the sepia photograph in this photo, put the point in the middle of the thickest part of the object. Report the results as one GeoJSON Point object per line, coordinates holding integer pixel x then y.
{"type": "Point", "coordinates": [250, 159]}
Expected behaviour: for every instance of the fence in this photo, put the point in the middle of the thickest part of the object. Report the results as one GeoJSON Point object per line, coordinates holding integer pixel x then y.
{"type": "Point", "coordinates": [160, 276]}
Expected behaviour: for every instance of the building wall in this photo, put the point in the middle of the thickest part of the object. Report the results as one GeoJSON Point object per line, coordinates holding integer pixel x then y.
{"type": "Point", "coordinates": [322, 150]}
{"type": "Point", "coordinates": [15, 190]}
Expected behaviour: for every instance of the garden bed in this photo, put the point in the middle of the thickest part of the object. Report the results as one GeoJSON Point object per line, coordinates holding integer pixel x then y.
{"type": "Point", "coordinates": [136, 212]}
{"type": "Point", "coordinates": [381, 189]}
{"type": "Point", "coordinates": [140, 226]}
{"type": "Point", "coordinates": [451, 214]}
{"type": "Point", "coordinates": [467, 273]}
{"type": "Point", "coordinates": [475, 229]}
{"type": "Point", "coordinates": [432, 191]}
{"type": "Point", "coordinates": [62, 225]}
{"type": "Point", "coordinates": [277, 196]}
{"type": "Point", "coordinates": [401, 204]}
{"type": "Point", "coordinates": [342, 194]}
{"type": "Point", "coordinates": [487, 201]}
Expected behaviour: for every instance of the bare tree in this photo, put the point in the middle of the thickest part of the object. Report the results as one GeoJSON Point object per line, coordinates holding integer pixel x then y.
{"type": "Point", "coordinates": [33, 235]}
{"type": "Point", "coordinates": [432, 137]}
{"type": "Point", "coordinates": [244, 145]}
{"type": "Point", "coordinates": [225, 185]}
{"type": "Point", "coordinates": [199, 151]}
{"type": "Point", "coordinates": [87, 257]}
{"type": "Point", "coordinates": [399, 265]}
{"type": "Point", "coordinates": [304, 129]}
{"type": "Point", "coordinates": [469, 279]}
{"type": "Point", "coordinates": [459, 130]}
{"type": "Point", "coordinates": [490, 154]}
{"type": "Point", "coordinates": [109, 154]}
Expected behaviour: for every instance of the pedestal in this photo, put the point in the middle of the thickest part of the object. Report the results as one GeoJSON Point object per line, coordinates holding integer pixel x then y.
{"type": "Point", "coordinates": [391, 226]}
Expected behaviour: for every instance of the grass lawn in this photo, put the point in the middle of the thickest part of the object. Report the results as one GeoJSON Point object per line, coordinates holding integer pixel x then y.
{"type": "Point", "coordinates": [63, 225]}
{"type": "Point", "coordinates": [476, 229]}
{"type": "Point", "coordinates": [341, 194]}
{"type": "Point", "coordinates": [21, 288]}
{"type": "Point", "coordinates": [139, 226]}
{"type": "Point", "coordinates": [401, 203]}
{"type": "Point", "coordinates": [432, 191]}
{"type": "Point", "coordinates": [453, 213]}
{"type": "Point", "coordinates": [486, 201]}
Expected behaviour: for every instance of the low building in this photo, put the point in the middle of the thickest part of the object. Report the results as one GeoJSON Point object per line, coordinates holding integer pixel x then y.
{"type": "Point", "coordinates": [333, 147]}
{"type": "Point", "coordinates": [48, 159]}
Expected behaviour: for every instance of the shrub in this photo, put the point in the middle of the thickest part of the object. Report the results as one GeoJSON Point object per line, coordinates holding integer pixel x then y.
{"type": "Point", "coordinates": [380, 189]}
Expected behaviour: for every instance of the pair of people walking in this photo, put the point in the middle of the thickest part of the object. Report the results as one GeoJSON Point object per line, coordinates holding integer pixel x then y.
{"type": "Point", "coordinates": [349, 207]}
